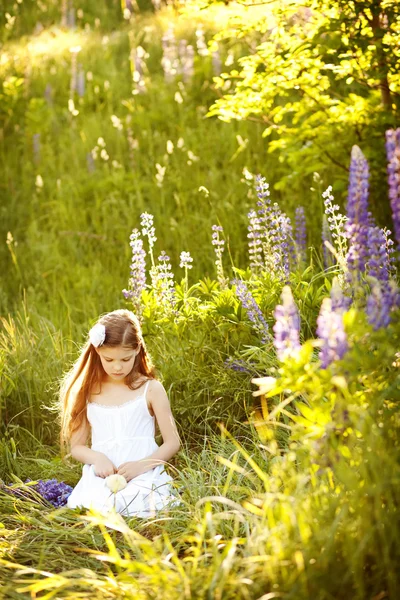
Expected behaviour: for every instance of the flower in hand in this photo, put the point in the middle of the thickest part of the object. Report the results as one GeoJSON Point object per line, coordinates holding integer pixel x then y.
{"type": "Point", "coordinates": [115, 482]}
{"type": "Point", "coordinates": [130, 469]}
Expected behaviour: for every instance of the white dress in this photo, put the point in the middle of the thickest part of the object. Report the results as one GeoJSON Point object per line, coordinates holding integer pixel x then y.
{"type": "Point", "coordinates": [124, 432]}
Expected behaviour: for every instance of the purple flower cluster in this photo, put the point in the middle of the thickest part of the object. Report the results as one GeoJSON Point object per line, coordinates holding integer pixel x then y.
{"type": "Point", "coordinates": [393, 169]}
{"type": "Point", "coordinates": [330, 327]}
{"type": "Point", "coordinates": [359, 219]}
{"type": "Point", "coordinates": [137, 281]}
{"type": "Point", "coordinates": [236, 365]}
{"type": "Point", "coordinates": [219, 245]}
{"type": "Point", "coordinates": [253, 310]}
{"type": "Point", "coordinates": [287, 326]}
{"type": "Point", "coordinates": [330, 331]}
{"type": "Point", "coordinates": [55, 492]}
{"type": "Point", "coordinates": [381, 301]}
{"type": "Point", "coordinates": [272, 231]}
{"type": "Point", "coordinates": [378, 264]}
{"type": "Point", "coordinates": [301, 234]}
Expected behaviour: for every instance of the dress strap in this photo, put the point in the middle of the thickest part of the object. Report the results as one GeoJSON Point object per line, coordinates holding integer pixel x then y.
{"type": "Point", "coordinates": [145, 388]}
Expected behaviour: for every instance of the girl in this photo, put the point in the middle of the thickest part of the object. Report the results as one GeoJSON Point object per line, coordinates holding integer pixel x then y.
{"type": "Point", "coordinates": [112, 393]}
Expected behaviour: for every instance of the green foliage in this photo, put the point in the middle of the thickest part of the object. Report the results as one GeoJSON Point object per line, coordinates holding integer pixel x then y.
{"type": "Point", "coordinates": [323, 76]}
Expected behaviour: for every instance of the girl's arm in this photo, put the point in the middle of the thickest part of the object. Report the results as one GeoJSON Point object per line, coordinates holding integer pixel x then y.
{"type": "Point", "coordinates": [171, 442]}
{"type": "Point", "coordinates": [79, 450]}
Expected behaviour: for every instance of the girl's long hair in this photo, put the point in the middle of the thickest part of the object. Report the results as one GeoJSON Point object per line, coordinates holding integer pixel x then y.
{"type": "Point", "coordinates": [87, 373]}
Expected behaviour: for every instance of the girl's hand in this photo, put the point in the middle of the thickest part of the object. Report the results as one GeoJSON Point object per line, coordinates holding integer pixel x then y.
{"type": "Point", "coordinates": [103, 467]}
{"type": "Point", "coordinates": [130, 469]}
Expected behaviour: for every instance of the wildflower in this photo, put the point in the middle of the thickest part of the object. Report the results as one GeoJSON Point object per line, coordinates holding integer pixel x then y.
{"type": "Point", "coordinates": [170, 147]}
{"type": "Point", "coordinates": [185, 260]}
{"type": "Point", "coordinates": [115, 482]}
{"type": "Point", "coordinates": [301, 235]}
{"type": "Point", "coordinates": [340, 302]}
{"type": "Point", "coordinates": [393, 169]}
{"type": "Point", "coordinates": [148, 228]}
{"type": "Point", "coordinates": [377, 265]}
{"type": "Point", "coordinates": [160, 174]}
{"type": "Point", "coordinates": [53, 491]}
{"type": "Point", "coordinates": [330, 330]}
{"type": "Point", "coordinates": [165, 280]}
{"type": "Point", "coordinates": [117, 123]}
{"type": "Point", "coordinates": [357, 212]}
{"type": "Point", "coordinates": [137, 281]}
{"type": "Point", "coordinates": [336, 222]}
{"type": "Point", "coordinates": [236, 365]}
{"type": "Point", "coordinates": [287, 326]}
{"type": "Point", "coordinates": [219, 245]}
{"type": "Point", "coordinates": [383, 298]}
{"type": "Point", "coordinates": [253, 310]}
{"type": "Point", "coordinates": [178, 98]}
{"type": "Point", "coordinates": [265, 385]}
{"type": "Point", "coordinates": [39, 182]}
{"type": "Point", "coordinates": [255, 242]}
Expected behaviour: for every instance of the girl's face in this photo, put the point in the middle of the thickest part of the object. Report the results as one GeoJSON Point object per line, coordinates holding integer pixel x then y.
{"type": "Point", "coordinates": [117, 362]}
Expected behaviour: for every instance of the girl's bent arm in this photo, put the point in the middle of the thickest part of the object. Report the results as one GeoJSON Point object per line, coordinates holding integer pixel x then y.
{"type": "Point", "coordinates": [79, 450]}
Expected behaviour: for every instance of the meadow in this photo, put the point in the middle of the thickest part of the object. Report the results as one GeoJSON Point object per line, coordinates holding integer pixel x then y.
{"type": "Point", "coordinates": [269, 302]}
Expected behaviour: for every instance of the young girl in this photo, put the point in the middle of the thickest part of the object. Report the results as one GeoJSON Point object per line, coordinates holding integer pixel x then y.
{"type": "Point", "coordinates": [112, 393]}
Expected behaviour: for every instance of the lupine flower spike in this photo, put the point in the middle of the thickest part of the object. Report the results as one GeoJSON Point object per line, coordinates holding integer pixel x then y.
{"type": "Point", "coordinates": [253, 310]}
{"type": "Point", "coordinates": [287, 326]}
{"type": "Point", "coordinates": [393, 169]}
{"type": "Point", "coordinates": [219, 245]}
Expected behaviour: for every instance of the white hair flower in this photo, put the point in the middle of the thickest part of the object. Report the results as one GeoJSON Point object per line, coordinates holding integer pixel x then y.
{"type": "Point", "coordinates": [115, 482]}
{"type": "Point", "coordinates": [97, 335]}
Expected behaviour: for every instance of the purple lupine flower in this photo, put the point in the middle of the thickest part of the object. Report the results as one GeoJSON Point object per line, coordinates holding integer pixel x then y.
{"type": "Point", "coordinates": [219, 245]}
{"type": "Point", "coordinates": [383, 299]}
{"type": "Point", "coordinates": [253, 310]}
{"type": "Point", "coordinates": [236, 365]}
{"type": "Point", "coordinates": [377, 265]}
{"type": "Point", "coordinates": [359, 219]}
{"type": "Point", "coordinates": [330, 330]}
{"type": "Point", "coordinates": [393, 170]}
{"type": "Point", "coordinates": [301, 234]}
{"type": "Point", "coordinates": [287, 326]}
{"type": "Point", "coordinates": [166, 282]}
{"type": "Point", "coordinates": [255, 243]}
{"type": "Point", "coordinates": [137, 280]}
{"type": "Point", "coordinates": [53, 491]}
{"type": "Point", "coordinates": [340, 302]}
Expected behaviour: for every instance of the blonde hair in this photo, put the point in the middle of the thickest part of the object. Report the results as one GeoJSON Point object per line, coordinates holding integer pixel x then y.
{"type": "Point", "coordinates": [122, 329]}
